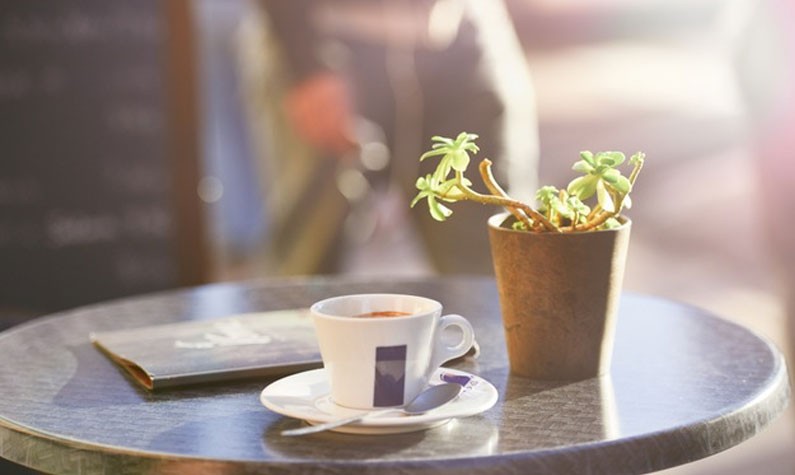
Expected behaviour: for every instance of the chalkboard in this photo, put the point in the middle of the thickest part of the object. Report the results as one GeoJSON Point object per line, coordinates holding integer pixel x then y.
{"type": "Point", "coordinates": [98, 153]}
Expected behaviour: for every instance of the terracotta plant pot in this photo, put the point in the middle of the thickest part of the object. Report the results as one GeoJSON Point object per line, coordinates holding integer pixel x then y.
{"type": "Point", "coordinates": [559, 294]}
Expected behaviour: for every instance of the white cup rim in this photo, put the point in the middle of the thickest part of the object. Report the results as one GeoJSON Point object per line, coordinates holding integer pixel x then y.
{"type": "Point", "coordinates": [316, 308]}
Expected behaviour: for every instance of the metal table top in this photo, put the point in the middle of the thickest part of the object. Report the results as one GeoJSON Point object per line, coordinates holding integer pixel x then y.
{"type": "Point", "coordinates": [684, 385]}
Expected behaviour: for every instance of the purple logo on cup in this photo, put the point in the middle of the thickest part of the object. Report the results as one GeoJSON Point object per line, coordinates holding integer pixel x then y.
{"type": "Point", "coordinates": [390, 375]}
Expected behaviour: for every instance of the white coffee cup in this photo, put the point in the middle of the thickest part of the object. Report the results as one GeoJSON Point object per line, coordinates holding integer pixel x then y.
{"type": "Point", "coordinates": [384, 361]}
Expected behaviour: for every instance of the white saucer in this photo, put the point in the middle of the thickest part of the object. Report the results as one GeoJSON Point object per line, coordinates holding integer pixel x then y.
{"type": "Point", "coordinates": [306, 396]}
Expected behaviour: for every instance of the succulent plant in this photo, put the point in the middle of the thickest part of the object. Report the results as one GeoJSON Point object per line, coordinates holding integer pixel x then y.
{"type": "Point", "coordinates": [557, 210]}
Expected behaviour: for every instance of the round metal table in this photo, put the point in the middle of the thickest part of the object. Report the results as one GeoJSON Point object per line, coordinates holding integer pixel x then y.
{"type": "Point", "coordinates": [684, 385]}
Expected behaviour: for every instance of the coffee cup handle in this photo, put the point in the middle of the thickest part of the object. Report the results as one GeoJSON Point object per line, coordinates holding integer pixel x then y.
{"type": "Point", "coordinates": [443, 351]}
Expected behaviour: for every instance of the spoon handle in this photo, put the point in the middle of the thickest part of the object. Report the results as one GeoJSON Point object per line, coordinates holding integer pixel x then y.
{"type": "Point", "coordinates": [332, 424]}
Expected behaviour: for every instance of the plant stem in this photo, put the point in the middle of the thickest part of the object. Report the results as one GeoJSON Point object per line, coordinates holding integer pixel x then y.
{"type": "Point", "coordinates": [496, 189]}
{"type": "Point", "coordinates": [595, 219]}
{"type": "Point", "coordinates": [598, 221]}
{"type": "Point", "coordinates": [634, 174]}
{"type": "Point", "coordinates": [632, 177]}
{"type": "Point", "coordinates": [472, 195]}
{"type": "Point", "coordinates": [596, 209]}
{"type": "Point", "coordinates": [503, 199]}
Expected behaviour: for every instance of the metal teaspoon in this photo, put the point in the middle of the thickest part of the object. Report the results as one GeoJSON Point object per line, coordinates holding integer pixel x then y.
{"type": "Point", "coordinates": [431, 398]}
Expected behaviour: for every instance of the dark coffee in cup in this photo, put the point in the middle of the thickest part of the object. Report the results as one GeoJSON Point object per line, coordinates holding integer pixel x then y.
{"type": "Point", "coordinates": [383, 314]}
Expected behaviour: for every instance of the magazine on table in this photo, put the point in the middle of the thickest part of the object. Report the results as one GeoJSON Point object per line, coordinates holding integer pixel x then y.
{"type": "Point", "coordinates": [231, 347]}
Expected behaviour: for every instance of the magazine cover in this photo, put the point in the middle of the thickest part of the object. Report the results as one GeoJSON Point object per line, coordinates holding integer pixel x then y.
{"type": "Point", "coordinates": [233, 347]}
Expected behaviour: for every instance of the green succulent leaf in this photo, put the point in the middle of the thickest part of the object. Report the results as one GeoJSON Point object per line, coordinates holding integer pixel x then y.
{"type": "Point", "coordinates": [627, 203]}
{"type": "Point", "coordinates": [439, 212]}
{"type": "Point", "coordinates": [611, 175]}
{"type": "Point", "coordinates": [583, 187]}
{"type": "Point", "coordinates": [578, 206]}
{"type": "Point", "coordinates": [561, 208]}
{"type": "Point", "coordinates": [519, 226]}
{"type": "Point", "coordinates": [433, 153]}
{"type": "Point", "coordinates": [610, 159]}
{"type": "Point", "coordinates": [442, 140]}
{"type": "Point", "coordinates": [459, 160]}
{"type": "Point", "coordinates": [588, 157]}
{"type": "Point", "coordinates": [582, 166]}
{"type": "Point", "coordinates": [549, 198]}
{"type": "Point", "coordinates": [604, 198]}
{"type": "Point", "coordinates": [454, 154]}
{"type": "Point", "coordinates": [621, 184]}
{"type": "Point", "coordinates": [466, 137]}
{"type": "Point", "coordinates": [546, 194]}
{"type": "Point", "coordinates": [439, 186]}
{"type": "Point", "coordinates": [443, 169]}
{"type": "Point", "coordinates": [423, 184]}
{"type": "Point", "coordinates": [418, 198]}
{"type": "Point", "coordinates": [430, 189]}
{"type": "Point", "coordinates": [611, 223]}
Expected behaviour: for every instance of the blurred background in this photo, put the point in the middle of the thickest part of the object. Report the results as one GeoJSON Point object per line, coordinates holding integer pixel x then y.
{"type": "Point", "coordinates": [150, 145]}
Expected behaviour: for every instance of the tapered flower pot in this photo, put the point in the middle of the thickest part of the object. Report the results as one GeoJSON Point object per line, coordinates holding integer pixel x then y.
{"type": "Point", "coordinates": [559, 295]}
